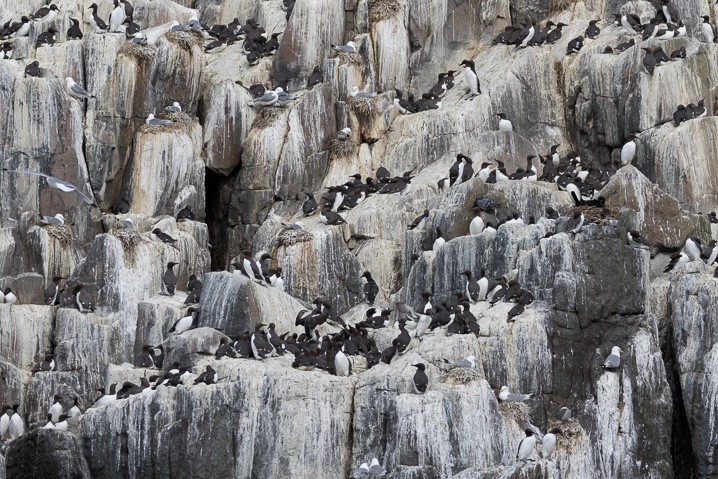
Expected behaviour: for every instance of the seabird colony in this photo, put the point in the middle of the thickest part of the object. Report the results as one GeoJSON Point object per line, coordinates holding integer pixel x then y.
{"type": "Point", "coordinates": [334, 351]}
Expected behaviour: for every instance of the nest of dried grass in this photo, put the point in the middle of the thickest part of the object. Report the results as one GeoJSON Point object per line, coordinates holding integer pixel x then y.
{"type": "Point", "coordinates": [144, 53]}
{"type": "Point", "coordinates": [354, 59]}
{"type": "Point", "coordinates": [185, 40]}
{"type": "Point", "coordinates": [570, 431]}
{"type": "Point", "coordinates": [341, 148]}
{"type": "Point", "coordinates": [267, 116]}
{"type": "Point", "coordinates": [382, 10]}
{"type": "Point", "coordinates": [518, 411]}
{"type": "Point", "coordinates": [596, 214]}
{"type": "Point", "coordinates": [180, 122]}
{"type": "Point", "coordinates": [365, 109]}
{"type": "Point", "coordinates": [129, 239]}
{"type": "Point", "coordinates": [291, 237]}
{"type": "Point", "coordinates": [461, 376]}
{"type": "Point", "coordinates": [62, 234]}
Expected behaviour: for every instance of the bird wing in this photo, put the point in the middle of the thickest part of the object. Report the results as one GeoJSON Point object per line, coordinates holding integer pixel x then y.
{"type": "Point", "coordinates": [77, 89]}
{"type": "Point", "coordinates": [517, 397]}
{"type": "Point", "coordinates": [612, 361]}
{"type": "Point", "coordinates": [267, 97]}
{"type": "Point", "coordinates": [27, 172]}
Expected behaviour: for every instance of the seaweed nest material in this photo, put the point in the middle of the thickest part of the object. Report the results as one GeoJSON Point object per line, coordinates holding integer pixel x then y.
{"type": "Point", "coordinates": [341, 148]}
{"type": "Point", "coordinates": [382, 10]}
{"type": "Point", "coordinates": [292, 237]}
{"type": "Point", "coordinates": [141, 52]}
{"type": "Point", "coordinates": [517, 410]}
{"type": "Point", "coordinates": [267, 116]}
{"type": "Point", "coordinates": [185, 40]}
{"type": "Point", "coordinates": [461, 376]}
{"type": "Point", "coordinates": [365, 109]}
{"type": "Point", "coordinates": [354, 59]}
{"type": "Point", "coordinates": [63, 234]}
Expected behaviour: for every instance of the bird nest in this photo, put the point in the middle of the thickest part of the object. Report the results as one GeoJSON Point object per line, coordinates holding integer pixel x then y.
{"type": "Point", "coordinates": [365, 109]}
{"type": "Point", "coordinates": [62, 234]}
{"type": "Point", "coordinates": [267, 116]}
{"type": "Point", "coordinates": [141, 52]}
{"type": "Point", "coordinates": [129, 239]}
{"type": "Point", "coordinates": [596, 214]}
{"type": "Point", "coordinates": [354, 59]}
{"type": "Point", "coordinates": [291, 237]}
{"type": "Point", "coordinates": [179, 123]}
{"type": "Point", "coordinates": [382, 10]}
{"type": "Point", "coordinates": [519, 411]}
{"type": "Point", "coordinates": [571, 430]}
{"type": "Point", "coordinates": [185, 40]}
{"type": "Point", "coordinates": [341, 148]}
{"type": "Point", "coordinates": [461, 376]}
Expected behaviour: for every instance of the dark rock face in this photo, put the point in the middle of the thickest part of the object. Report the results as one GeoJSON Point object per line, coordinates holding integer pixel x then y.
{"type": "Point", "coordinates": [46, 453]}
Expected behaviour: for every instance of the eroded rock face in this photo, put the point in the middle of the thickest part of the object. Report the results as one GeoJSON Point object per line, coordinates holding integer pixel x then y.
{"type": "Point", "coordinates": [47, 453]}
{"type": "Point", "coordinates": [592, 289]}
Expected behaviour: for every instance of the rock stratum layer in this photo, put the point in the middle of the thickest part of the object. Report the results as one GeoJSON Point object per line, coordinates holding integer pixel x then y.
{"type": "Point", "coordinates": [243, 171]}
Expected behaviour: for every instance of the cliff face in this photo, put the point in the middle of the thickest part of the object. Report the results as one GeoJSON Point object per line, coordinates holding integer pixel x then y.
{"type": "Point", "coordinates": [243, 171]}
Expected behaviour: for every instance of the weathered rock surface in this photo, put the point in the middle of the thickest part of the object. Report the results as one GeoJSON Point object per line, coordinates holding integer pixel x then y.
{"type": "Point", "coordinates": [242, 169]}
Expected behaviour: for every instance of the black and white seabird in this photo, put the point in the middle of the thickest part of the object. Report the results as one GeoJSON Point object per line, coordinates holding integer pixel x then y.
{"type": "Point", "coordinates": [77, 90]}
{"type": "Point", "coordinates": [344, 134]}
{"type": "Point", "coordinates": [548, 443]}
{"type": "Point", "coordinates": [175, 107]}
{"type": "Point", "coordinates": [649, 60]}
{"type": "Point", "coordinates": [163, 237]}
{"type": "Point", "coordinates": [310, 205]}
{"type": "Point", "coordinates": [526, 446]}
{"type": "Point", "coordinates": [419, 221]}
{"type": "Point", "coordinates": [74, 32]}
{"type": "Point", "coordinates": [57, 220]}
{"type": "Point", "coordinates": [117, 17]}
{"type": "Point", "coordinates": [628, 151]}
{"type": "Point", "coordinates": [209, 376]}
{"type": "Point", "coordinates": [371, 289]}
{"type": "Point", "coordinates": [614, 359]}
{"type": "Point", "coordinates": [473, 290]}
{"type": "Point", "coordinates": [504, 123]}
{"type": "Point", "coordinates": [46, 39]}
{"type": "Point", "coordinates": [33, 69]}
{"type": "Point", "coordinates": [46, 13]}
{"type": "Point", "coordinates": [169, 278]}
{"type": "Point", "coordinates": [57, 183]}
{"type": "Point", "coordinates": [342, 366]}
{"type": "Point", "coordinates": [575, 45]}
{"type": "Point", "coordinates": [52, 293]}
{"type": "Point", "coordinates": [555, 34]}
{"type": "Point", "coordinates": [592, 30]}
{"type": "Point", "coordinates": [331, 218]}
{"type": "Point", "coordinates": [575, 223]}
{"type": "Point", "coordinates": [350, 47]}
{"type": "Point", "coordinates": [708, 30]}
{"type": "Point", "coordinates": [95, 21]}
{"type": "Point", "coordinates": [22, 28]}
{"type": "Point", "coordinates": [506, 395]}
{"type": "Point", "coordinates": [261, 347]}
{"type": "Point", "coordinates": [56, 408]}
{"type": "Point", "coordinates": [152, 121]}
{"type": "Point", "coordinates": [472, 79]}
{"type": "Point", "coordinates": [421, 380]}
{"type": "Point", "coordinates": [17, 426]}
{"type": "Point", "coordinates": [83, 298]}
{"type": "Point", "coordinates": [669, 12]}
{"type": "Point", "coordinates": [46, 364]}
{"type": "Point", "coordinates": [187, 322]}
{"type": "Point", "coordinates": [438, 242]}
